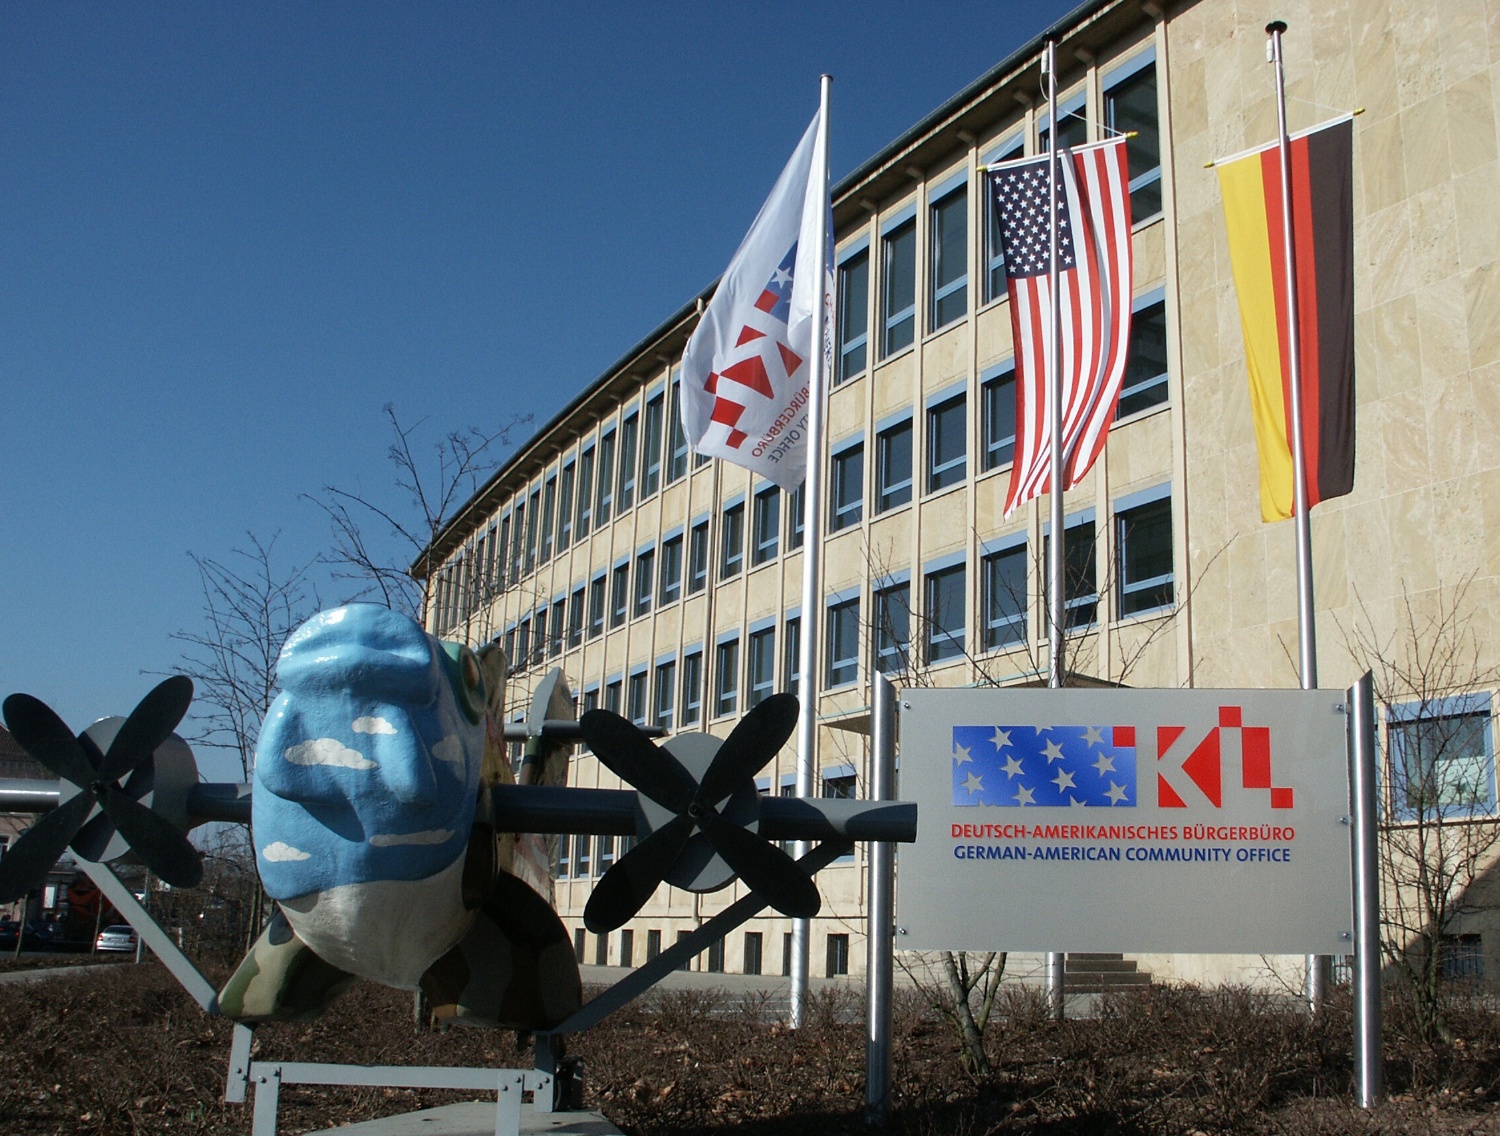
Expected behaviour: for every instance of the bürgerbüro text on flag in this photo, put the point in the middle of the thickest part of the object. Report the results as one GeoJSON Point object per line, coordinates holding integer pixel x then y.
{"type": "Point", "coordinates": [1322, 168]}
{"type": "Point", "coordinates": [1093, 285]}
{"type": "Point", "coordinates": [746, 369]}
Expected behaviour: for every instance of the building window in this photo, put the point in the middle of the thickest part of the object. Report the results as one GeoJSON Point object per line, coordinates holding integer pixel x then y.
{"type": "Point", "coordinates": [604, 501]}
{"type": "Point", "coordinates": [585, 515]}
{"type": "Point", "coordinates": [1145, 383]}
{"type": "Point", "coordinates": [523, 644]}
{"type": "Point", "coordinates": [533, 507]}
{"type": "Point", "coordinates": [714, 957]}
{"type": "Point", "coordinates": [581, 847]}
{"type": "Point", "coordinates": [670, 586]}
{"type": "Point", "coordinates": [1442, 757]}
{"type": "Point", "coordinates": [635, 698]}
{"type": "Point", "coordinates": [838, 955]}
{"type": "Point", "coordinates": [998, 399]}
{"type": "Point", "coordinates": [502, 552]}
{"type": "Point", "coordinates": [848, 488]}
{"type": "Point", "coordinates": [765, 530]}
{"type": "Point", "coordinates": [893, 467]}
{"type": "Point", "coordinates": [752, 952]}
{"type": "Point", "coordinates": [666, 691]}
{"type": "Point", "coordinates": [619, 594]}
{"type": "Point", "coordinates": [786, 952]}
{"type": "Point", "coordinates": [613, 695]}
{"type": "Point", "coordinates": [580, 942]}
{"type": "Point", "coordinates": [677, 445]}
{"type": "Point", "coordinates": [627, 948]}
{"type": "Point", "coordinates": [575, 618]}
{"type": "Point", "coordinates": [854, 316]}
{"type": "Point", "coordinates": [892, 628]}
{"type": "Point", "coordinates": [606, 858]}
{"type": "Point", "coordinates": [625, 491]}
{"type": "Point", "coordinates": [843, 643]}
{"type": "Point", "coordinates": [726, 678]}
{"type": "Point", "coordinates": [596, 607]}
{"type": "Point", "coordinates": [762, 666]}
{"type": "Point", "coordinates": [1461, 957]}
{"type": "Point", "coordinates": [698, 558]}
{"type": "Point", "coordinates": [898, 300]}
{"type": "Point", "coordinates": [1003, 581]}
{"type": "Point", "coordinates": [518, 543]}
{"type": "Point", "coordinates": [946, 596]}
{"type": "Point", "coordinates": [645, 581]}
{"type": "Point", "coordinates": [651, 445]}
{"type": "Point", "coordinates": [653, 944]}
{"type": "Point", "coordinates": [564, 857]}
{"type": "Point", "coordinates": [1080, 578]}
{"type": "Point", "coordinates": [601, 950]}
{"type": "Point", "coordinates": [565, 507]}
{"type": "Point", "coordinates": [733, 543]}
{"type": "Point", "coordinates": [839, 786]}
{"type": "Point", "coordinates": [555, 631]}
{"type": "Point", "coordinates": [692, 688]}
{"type": "Point", "coordinates": [947, 443]}
{"type": "Point", "coordinates": [1072, 127]}
{"type": "Point", "coordinates": [994, 254]}
{"type": "Point", "coordinates": [1130, 108]}
{"type": "Point", "coordinates": [791, 662]}
{"type": "Point", "coordinates": [1144, 554]}
{"type": "Point", "coordinates": [796, 526]}
{"type": "Point", "coordinates": [949, 242]}
{"type": "Point", "coordinates": [549, 517]}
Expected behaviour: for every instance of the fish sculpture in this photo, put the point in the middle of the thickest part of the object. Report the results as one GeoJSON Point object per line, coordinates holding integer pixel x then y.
{"type": "Point", "coordinates": [372, 832]}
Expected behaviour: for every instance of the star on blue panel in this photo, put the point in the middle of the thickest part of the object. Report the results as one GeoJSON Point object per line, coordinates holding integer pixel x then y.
{"type": "Point", "coordinates": [1050, 766]}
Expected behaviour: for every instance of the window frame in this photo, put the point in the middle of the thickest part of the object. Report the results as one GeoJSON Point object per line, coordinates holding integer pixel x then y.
{"type": "Point", "coordinates": [765, 525]}
{"type": "Point", "coordinates": [992, 619]}
{"type": "Point", "coordinates": [1150, 505]}
{"type": "Point", "coordinates": [1144, 307]}
{"type": "Point", "coordinates": [669, 579]}
{"type": "Point", "coordinates": [890, 644]}
{"type": "Point", "coordinates": [619, 594]}
{"type": "Point", "coordinates": [953, 470]}
{"type": "Point", "coordinates": [760, 664]}
{"type": "Point", "coordinates": [629, 444]}
{"type": "Point", "coordinates": [652, 423]}
{"type": "Point", "coordinates": [664, 693]}
{"type": "Point", "coordinates": [939, 211]}
{"type": "Point", "coordinates": [846, 512]}
{"type": "Point", "coordinates": [1125, 74]}
{"type": "Point", "coordinates": [697, 579]}
{"type": "Point", "coordinates": [726, 676]}
{"type": "Point", "coordinates": [941, 642]}
{"type": "Point", "coordinates": [1403, 717]}
{"type": "Point", "coordinates": [841, 658]}
{"type": "Point", "coordinates": [604, 497]}
{"type": "Point", "coordinates": [692, 686]}
{"type": "Point", "coordinates": [732, 539]}
{"type": "Point", "coordinates": [854, 262]}
{"type": "Point", "coordinates": [997, 389]}
{"type": "Point", "coordinates": [645, 582]}
{"type": "Point", "coordinates": [893, 494]}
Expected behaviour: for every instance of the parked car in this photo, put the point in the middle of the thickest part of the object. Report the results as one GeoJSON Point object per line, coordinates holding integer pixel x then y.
{"type": "Point", "coordinates": [10, 928]}
{"type": "Point", "coordinates": [58, 937]}
{"type": "Point", "coordinates": [120, 937]}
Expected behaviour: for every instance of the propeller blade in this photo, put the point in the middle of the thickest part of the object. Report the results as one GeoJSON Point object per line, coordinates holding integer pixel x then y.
{"type": "Point", "coordinates": [631, 755]}
{"type": "Point", "coordinates": [47, 738]}
{"type": "Point", "coordinates": [27, 863]}
{"type": "Point", "coordinates": [752, 743]}
{"type": "Point", "coordinates": [154, 839]}
{"type": "Point", "coordinates": [764, 868]}
{"type": "Point", "coordinates": [625, 888]}
{"type": "Point", "coordinates": [150, 723]}
{"type": "Point", "coordinates": [94, 837]}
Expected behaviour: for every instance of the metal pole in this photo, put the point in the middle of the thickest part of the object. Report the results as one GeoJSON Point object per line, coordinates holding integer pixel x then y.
{"type": "Point", "coordinates": [812, 543]}
{"type": "Point", "coordinates": [1318, 966]}
{"type": "Point", "coordinates": [881, 919]}
{"type": "Point", "coordinates": [1365, 836]}
{"type": "Point", "coordinates": [1056, 597]}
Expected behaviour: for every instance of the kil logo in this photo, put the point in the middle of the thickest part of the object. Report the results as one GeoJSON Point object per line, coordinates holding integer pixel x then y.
{"type": "Point", "coordinates": [1195, 771]}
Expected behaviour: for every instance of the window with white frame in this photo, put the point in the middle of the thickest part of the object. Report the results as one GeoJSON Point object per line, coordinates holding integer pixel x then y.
{"type": "Point", "coordinates": [585, 515]}
{"type": "Point", "coordinates": [893, 466]}
{"type": "Point", "coordinates": [1130, 108]}
{"type": "Point", "coordinates": [645, 581]}
{"type": "Point", "coordinates": [1143, 551]}
{"type": "Point", "coordinates": [629, 438]}
{"type": "Point", "coordinates": [614, 691]}
{"type": "Point", "coordinates": [677, 444]}
{"type": "Point", "coordinates": [1080, 571]}
{"type": "Point", "coordinates": [549, 517]}
{"type": "Point", "coordinates": [692, 687]}
{"type": "Point", "coordinates": [1072, 126]}
{"type": "Point", "coordinates": [604, 501]}
{"type": "Point", "coordinates": [945, 605]}
{"type": "Point", "coordinates": [843, 642]}
{"type": "Point", "coordinates": [947, 443]}
{"type": "Point", "coordinates": [576, 614]}
{"type": "Point", "coordinates": [761, 666]}
{"type": "Point", "coordinates": [726, 677]}
{"type": "Point", "coordinates": [533, 508]}
{"type": "Point", "coordinates": [1442, 757]}
{"type": "Point", "coordinates": [666, 689]}
{"type": "Point", "coordinates": [791, 654]}
{"type": "Point", "coordinates": [997, 394]}
{"type": "Point", "coordinates": [732, 542]}
{"type": "Point", "coordinates": [1003, 598]}
{"type": "Point", "coordinates": [854, 315]}
{"type": "Point", "coordinates": [797, 519]}
{"type": "Point", "coordinates": [596, 606]}
{"type": "Point", "coordinates": [698, 558]}
{"type": "Point", "coordinates": [565, 506]}
{"type": "Point", "coordinates": [635, 698]}
{"type": "Point", "coordinates": [669, 590]}
{"type": "Point", "coordinates": [619, 594]}
{"type": "Point", "coordinates": [765, 527]}
{"type": "Point", "coordinates": [1145, 382]}
{"type": "Point", "coordinates": [651, 439]}
{"type": "Point", "coordinates": [555, 640]}
{"type": "Point", "coordinates": [892, 630]}
{"type": "Point", "coordinates": [948, 242]}
{"type": "Point", "coordinates": [848, 487]}
{"type": "Point", "coordinates": [898, 296]}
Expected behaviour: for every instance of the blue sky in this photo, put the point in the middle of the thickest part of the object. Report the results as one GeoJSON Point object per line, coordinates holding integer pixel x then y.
{"type": "Point", "coordinates": [230, 233]}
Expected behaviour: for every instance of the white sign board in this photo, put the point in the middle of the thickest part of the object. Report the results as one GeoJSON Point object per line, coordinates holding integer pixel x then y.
{"type": "Point", "coordinates": [1179, 821]}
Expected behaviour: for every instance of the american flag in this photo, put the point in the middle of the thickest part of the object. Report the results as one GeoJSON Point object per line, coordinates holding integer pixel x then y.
{"type": "Point", "coordinates": [1045, 766]}
{"type": "Point", "coordinates": [1094, 281]}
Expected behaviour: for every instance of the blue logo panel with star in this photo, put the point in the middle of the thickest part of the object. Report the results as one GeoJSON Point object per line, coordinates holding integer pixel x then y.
{"type": "Point", "coordinates": [1048, 766]}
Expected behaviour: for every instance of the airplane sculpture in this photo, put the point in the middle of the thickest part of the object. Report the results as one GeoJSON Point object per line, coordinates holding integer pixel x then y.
{"type": "Point", "coordinates": [398, 843]}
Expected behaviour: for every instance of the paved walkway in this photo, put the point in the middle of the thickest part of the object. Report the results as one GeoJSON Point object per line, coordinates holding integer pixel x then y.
{"type": "Point", "coordinates": [476, 1118]}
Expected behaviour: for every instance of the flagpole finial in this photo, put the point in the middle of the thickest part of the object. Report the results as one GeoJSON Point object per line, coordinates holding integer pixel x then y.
{"type": "Point", "coordinates": [1276, 27]}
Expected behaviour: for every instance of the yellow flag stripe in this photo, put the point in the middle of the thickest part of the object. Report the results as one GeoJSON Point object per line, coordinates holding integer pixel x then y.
{"type": "Point", "coordinates": [1243, 187]}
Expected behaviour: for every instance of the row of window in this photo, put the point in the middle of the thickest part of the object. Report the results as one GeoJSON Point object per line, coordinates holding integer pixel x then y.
{"type": "Point", "coordinates": [1129, 106]}
{"type": "Point", "coordinates": [836, 952]}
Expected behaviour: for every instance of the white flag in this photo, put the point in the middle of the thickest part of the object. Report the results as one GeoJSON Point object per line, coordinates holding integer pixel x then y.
{"type": "Point", "coordinates": [746, 369]}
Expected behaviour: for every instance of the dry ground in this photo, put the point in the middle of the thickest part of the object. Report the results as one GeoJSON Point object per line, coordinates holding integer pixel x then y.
{"type": "Point", "coordinates": [123, 1050]}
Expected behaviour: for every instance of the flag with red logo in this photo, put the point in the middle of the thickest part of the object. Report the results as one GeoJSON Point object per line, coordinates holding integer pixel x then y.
{"type": "Point", "coordinates": [1093, 285]}
{"type": "Point", "coordinates": [746, 369]}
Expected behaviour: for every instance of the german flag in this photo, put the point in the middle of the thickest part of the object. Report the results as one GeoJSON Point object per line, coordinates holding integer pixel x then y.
{"type": "Point", "coordinates": [1323, 238]}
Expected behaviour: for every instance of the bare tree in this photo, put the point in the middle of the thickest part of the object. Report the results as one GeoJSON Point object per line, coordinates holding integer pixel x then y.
{"type": "Point", "coordinates": [251, 604]}
{"type": "Point", "coordinates": [390, 561]}
{"type": "Point", "coordinates": [1439, 831]}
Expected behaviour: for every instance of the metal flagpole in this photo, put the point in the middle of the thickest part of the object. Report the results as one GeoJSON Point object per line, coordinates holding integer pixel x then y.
{"type": "Point", "coordinates": [812, 542]}
{"type": "Point", "coordinates": [880, 923]}
{"type": "Point", "coordinates": [1362, 792]}
{"type": "Point", "coordinates": [1056, 599]}
{"type": "Point", "coordinates": [1318, 966]}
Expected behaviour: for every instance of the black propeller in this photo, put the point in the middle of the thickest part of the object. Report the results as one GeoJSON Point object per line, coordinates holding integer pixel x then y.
{"type": "Point", "coordinates": [43, 735]}
{"type": "Point", "coordinates": [765, 869]}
